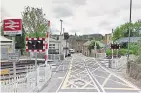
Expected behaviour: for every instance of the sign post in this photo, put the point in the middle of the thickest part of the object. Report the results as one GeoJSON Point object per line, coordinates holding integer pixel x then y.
{"type": "Point", "coordinates": [13, 27]}
{"type": "Point", "coordinates": [14, 57]}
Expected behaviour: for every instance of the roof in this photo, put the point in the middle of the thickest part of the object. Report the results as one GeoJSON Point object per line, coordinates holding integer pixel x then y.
{"type": "Point", "coordinates": [2, 38]}
{"type": "Point", "coordinates": [87, 43]}
{"type": "Point", "coordinates": [53, 40]}
{"type": "Point", "coordinates": [126, 39]}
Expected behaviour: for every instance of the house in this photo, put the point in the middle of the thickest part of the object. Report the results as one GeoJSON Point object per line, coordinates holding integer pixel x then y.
{"type": "Point", "coordinates": [85, 50]}
{"type": "Point", "coordinates": [54, 46]}
{"type": "Point", "coordinates": [77, 44]}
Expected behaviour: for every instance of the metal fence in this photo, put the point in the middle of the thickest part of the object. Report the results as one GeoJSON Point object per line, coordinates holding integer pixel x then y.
{"type": "Point", "coordinates": [26, 82]}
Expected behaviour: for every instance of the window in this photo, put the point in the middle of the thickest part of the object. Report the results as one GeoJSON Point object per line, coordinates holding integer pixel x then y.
{"type": "Point", "coordinates": [51, 44]}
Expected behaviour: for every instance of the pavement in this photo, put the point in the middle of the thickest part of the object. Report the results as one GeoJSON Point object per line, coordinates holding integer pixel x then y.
{"type": "Point", "coordinates": [85, 74]}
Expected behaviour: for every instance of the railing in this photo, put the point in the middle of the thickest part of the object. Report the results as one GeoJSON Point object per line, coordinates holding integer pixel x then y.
{"type": "Point", "coordinates": [26, 82]}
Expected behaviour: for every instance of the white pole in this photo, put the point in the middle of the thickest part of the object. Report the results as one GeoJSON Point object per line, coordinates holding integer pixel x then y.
{"type": "Point", "coordinates": [47, 41]}
{"type": "Point", "coordinates": [46, 52]}
{"type": "Point", "coordinates": [14, 64]}
{"type": "Point", "coordinates": [36, 68]}
{"type": "Point", "coordinates": [95, 48]}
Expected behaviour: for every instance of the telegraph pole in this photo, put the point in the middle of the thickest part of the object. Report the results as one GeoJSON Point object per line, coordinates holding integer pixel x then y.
{"type": "Point", "coordinates": [112, 43]}
{"type": "Point", "coordinates": [130, 19]}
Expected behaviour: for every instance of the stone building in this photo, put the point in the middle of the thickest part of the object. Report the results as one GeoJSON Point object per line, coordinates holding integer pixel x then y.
{"type": "Point", "coordinates": [107, 39]}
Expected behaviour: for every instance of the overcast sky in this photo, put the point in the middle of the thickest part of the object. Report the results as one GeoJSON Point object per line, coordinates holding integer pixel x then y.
{"type": "Point", "coordinates": [80, 16]}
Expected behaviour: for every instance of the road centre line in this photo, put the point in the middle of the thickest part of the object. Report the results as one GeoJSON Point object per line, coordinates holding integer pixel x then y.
{"type": "Point", "coordinates": [95, 80]}
{"type": "Point", "coordinates": [91, 77]}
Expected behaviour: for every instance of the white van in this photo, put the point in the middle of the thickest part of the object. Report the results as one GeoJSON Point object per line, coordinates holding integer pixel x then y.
{"type": "Point", "coordinates": [71, 50]}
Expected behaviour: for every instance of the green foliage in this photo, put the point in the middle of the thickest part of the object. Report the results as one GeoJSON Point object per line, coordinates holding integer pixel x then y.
{"type": "Point", "coordinates": [109, 52]}
{"type": "Point", "coordinates": [133, 48]}
{"type": "Point", "coordinates": [123, 30]}
{"type": "Point", "coordinates": [120, 52]}
{"type": "Point", "coordinates": [34, 22]}
{"type": "Point", "coordinates": [1, 30]}
{"type": "Point", "coordinates": [139, 51]}
{"type": "Point", "coordinates": [20, 41]}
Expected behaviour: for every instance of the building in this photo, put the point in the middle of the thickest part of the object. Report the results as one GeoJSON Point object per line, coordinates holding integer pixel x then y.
{"type": "Point", "coordinates": [85, 50]}
{"type": "Point", "coordinates": [76, 43]}
{"type": "Point", "coordinates": [107, 39]}
{"type": "Point", "coordinates": [54, 46]}
{"type": "Point", "coordinates": [97, 37]}
{"type": "Point", "coordinates": [6, 47]}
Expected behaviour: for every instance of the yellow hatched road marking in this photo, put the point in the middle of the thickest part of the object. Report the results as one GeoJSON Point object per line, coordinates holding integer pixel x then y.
{"type": "Point", "coordinates": [66, 80]}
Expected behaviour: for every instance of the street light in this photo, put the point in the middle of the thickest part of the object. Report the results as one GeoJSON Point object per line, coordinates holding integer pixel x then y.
{"type": "Point", "coordinates": [61, 25]}
{"type": "Point", "coordinates": [129, 27]}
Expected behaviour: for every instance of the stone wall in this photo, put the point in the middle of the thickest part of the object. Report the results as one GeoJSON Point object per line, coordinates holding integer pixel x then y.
{"type": "Point", "coordinates": [134, 70]}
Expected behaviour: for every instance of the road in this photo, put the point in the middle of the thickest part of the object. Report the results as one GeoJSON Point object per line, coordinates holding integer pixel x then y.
{"type": "Point", "coordinates": [85, 74]}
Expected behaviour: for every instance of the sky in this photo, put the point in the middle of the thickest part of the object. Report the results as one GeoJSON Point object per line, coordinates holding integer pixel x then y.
{"type": "Point", "coordinates": [79, 16]}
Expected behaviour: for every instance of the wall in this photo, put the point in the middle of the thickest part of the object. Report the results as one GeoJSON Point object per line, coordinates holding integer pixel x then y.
{"type": "Point", "coordinates": [134, 70]}
{"type": "Point", "coordinates": [85, 51]}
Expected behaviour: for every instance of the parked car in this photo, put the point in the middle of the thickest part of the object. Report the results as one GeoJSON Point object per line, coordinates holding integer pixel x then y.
{"type": "Point", "coordinates": [71, 51]}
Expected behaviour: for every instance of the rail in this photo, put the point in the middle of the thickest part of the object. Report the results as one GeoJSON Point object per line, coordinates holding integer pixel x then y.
{"type": "Point", "coordinates": [26, 82]}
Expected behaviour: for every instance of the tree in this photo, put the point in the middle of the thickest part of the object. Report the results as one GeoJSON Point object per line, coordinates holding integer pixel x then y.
{"type": "Point", "coordinates": [1, 31]}
{"type": "Point", "coordinates": [34, 23]}
{"type": "Point", "coordinates": [123, 30]}
{"type": "Point", "coordinates": [20, 41]}
{"type": "Point", "coordinates": [92, 45]}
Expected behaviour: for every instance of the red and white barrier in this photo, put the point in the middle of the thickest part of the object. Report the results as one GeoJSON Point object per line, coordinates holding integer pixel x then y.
{"type": "Point", "coordinates": [47, 43]}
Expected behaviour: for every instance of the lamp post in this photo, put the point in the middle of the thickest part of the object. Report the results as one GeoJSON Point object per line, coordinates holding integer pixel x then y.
{"type": "Point", "coordinates": [130, 19]}
{"type": "Point", "coordinates": [61, 25]}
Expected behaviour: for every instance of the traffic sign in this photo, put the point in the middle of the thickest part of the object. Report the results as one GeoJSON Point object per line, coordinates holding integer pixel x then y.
{"type": "Point", "coordinates": [13, 56]}
{"type": "Point", "coordinates": [12, 27]}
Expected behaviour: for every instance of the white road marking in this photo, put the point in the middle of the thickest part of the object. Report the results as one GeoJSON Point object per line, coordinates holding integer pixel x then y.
{"type": "Point", "coordinates": [95, 69]}
{"type": "Point", "coordinates": [64, 82]}
{"type": "Point", "coordinates": [97, 82]}
{"type": "Point", "coordinates": [130, 85]}
{"type": "Point", "coordinates": [91, 77]}
{"type": "Point", "coordinates": [105, 81]}
{"type": "Point", "coordinates": [120, 88]}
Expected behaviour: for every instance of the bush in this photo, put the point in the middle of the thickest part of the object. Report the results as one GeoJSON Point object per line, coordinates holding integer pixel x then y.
{"type": "Point", "coordinates": [109, 52]}
{"type": "Point", "coordinates": [120, 52]}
